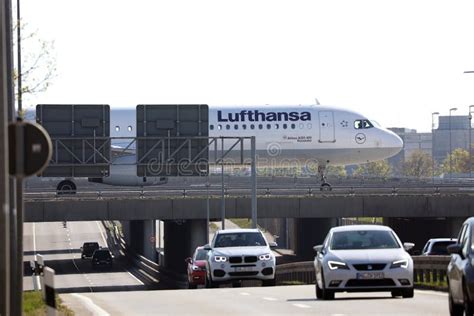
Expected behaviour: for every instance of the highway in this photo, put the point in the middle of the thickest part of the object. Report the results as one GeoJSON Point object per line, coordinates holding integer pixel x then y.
{"type": "Point", "coordinates": [60, 245]}
{"type": "Point", "coordinates": [280, 300]}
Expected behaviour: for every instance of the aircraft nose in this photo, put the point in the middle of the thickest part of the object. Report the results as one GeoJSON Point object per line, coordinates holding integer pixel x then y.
{"type": "Point", "coordinates": [394, 143]}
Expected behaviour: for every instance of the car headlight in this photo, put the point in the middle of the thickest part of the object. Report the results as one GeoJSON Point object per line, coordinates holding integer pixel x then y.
{"type": "Point", "coordinates": [334, 265]}
{"type": "Point", "coordinates": [220, 259]}
{"type": "Point", "coordinates": [265, 257]}
{"type": "Point", "coordinates": [399, 264]}
{"type": "Point", "coordinates": [196, 268]}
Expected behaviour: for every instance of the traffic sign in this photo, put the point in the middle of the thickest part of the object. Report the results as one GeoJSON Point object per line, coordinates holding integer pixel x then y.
{"type": "Point", "coordinates": [30, 149]}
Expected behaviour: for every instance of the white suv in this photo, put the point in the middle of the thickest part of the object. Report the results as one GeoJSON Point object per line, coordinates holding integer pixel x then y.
{"type": "Point", "coordinates": [239, 254]}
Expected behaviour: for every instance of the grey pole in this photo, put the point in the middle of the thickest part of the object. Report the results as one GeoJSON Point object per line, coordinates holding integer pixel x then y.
{"type": "Point", "coordinates": [254, 181]}
{"type": "Point", "coordinates": [207, 209]}
{"type": "Point", "coordinates": [18, 42]}
{"type": "Point", "coordinates": [432, 142]}
{"type": "Point", "coordinates": [4, 182]}
{"type": "Point", "coordinates": [222, 185]}
{"type": "Point", "coordinates": [450, 149]}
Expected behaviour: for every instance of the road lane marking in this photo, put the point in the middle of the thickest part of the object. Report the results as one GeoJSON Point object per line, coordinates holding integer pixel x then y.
{"type": "Point", "coordinates": [301, 305]}
{"type": "Point", "coordinates": [138, 280]}
{"type": "Point", "coordinates": [102, 234]}
{"type": "Point", "coordinates": [244, 293]}
{"type": "Point", "coordinates": [270, 299]}
{"type": "Point", "coordinates": [431, 293]}
{"type": "Point", "coordinates": [90, 305]}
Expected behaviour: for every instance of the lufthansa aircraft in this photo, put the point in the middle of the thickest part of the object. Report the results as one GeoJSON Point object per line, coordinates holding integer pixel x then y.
{"type": "Point", "coordinates": [310, 135]}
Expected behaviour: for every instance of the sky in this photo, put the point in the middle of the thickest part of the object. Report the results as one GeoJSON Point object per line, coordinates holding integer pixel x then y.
{"type": "Point", "coordinates": [393, 61]}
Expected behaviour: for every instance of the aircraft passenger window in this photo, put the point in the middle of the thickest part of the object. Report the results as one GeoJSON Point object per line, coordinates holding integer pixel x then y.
{"type": "Point", "coordinates": [309, 125]}
{"type": "Point", "coordinates": [211, 127]}
{"type": "Point", "coordinates": [129, 128]}
{"type": "Point", "coordinates": [252, 126]}
{"type": "Point", "coordinates": [301, 125]}
{"type": "Point", "coordinates": [277, 126]}
{"type": "Point", "coordinates": [269, 126]}
{"type": "Point", "coordinates": [236, 126]}
{"type": "Point", "coordinates": [285, 125]}
{"type": "Point", "coordinates": [293, 126]}
{"type": "Point", "coordinates": [117, 128]}
{"type": "Point", "coordinates": [244, 126]}
{"type": "Point", "coordinates": [260, 126]}
{"type": "Point", "coordinates": [219, 127]}
{"type": "Point", "coordinates": [227, 126]}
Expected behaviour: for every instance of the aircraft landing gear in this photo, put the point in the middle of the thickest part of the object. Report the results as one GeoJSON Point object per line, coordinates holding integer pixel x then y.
{"type": "Point", "coordinates": [325, 186]}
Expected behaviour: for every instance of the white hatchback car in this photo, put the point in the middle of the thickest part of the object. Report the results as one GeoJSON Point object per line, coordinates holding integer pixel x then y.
{"type": "Point", "coordinates": [363, 258]}
{"type": "Point", "coordinates": [239, 254]}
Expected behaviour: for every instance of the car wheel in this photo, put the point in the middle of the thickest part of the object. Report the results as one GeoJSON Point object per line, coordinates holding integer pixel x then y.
{"type": "Point", "coordinates": [454, 309]}
{"type": "Point", "coordinates": [326, 294]}
{"type": "Point", "coordinates": [408, 293]}
{"type": "Point", "coordinates": [319, 292]}
{"type": "Point", "coordinates": [270, 282]}
{"type": "Point", "coordinates": [209, 283]}
{"type": "Point", "coordinates": [468, 307]}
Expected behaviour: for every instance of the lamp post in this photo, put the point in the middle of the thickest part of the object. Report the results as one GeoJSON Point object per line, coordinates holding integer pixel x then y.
{"type": "Point", "coordinates": [450, 149]}
{"type": "Point", "coordinates": [470, 146]}
{"type": "Point", "coordinates": [432, 142]}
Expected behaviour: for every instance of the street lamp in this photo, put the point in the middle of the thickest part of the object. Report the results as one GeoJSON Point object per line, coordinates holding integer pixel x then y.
{"type": "Point", "coordinates": [432, 142]}
{"type": "Point", "coordinates": [450, 149]}
{"type": "Point", "coordinates": [470, 146]}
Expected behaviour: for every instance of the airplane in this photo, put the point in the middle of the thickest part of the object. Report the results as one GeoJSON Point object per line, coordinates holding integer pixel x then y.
{"type": "Point", "coordinates": [304, 134]}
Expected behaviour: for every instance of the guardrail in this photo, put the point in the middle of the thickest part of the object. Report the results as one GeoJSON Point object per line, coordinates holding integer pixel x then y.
{"type": "Point", "coordinates": [308, 191]}
{"type": "Point", "coordinates": [429, 272]}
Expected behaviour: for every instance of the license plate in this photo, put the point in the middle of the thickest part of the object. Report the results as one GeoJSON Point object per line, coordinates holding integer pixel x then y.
{"type": "Point", "coordinates": [243, 269]}
{"type": "Point", "coordinates": [370, 275]}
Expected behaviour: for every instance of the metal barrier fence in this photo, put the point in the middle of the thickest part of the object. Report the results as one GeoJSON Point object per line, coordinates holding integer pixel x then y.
{"type": "Point", "coordinates": [429, 271]}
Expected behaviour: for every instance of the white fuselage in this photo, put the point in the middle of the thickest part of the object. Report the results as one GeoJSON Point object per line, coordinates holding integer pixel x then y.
{"type": "Point", "coordinates": [305, 135]}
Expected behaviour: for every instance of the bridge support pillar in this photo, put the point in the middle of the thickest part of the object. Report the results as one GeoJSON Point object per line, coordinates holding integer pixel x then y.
{"type": "Point", "coordinates": [180, 240]}
{"type": "Point", "coordinates": [141, 238]}
{"type": "Point", "coordinates": [419, 230]}
{"type": "Point", "coordinates": [311, 232]}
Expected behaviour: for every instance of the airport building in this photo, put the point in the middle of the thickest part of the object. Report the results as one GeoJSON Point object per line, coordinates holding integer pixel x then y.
{"type": "Point", "coordinates": [449, 134]}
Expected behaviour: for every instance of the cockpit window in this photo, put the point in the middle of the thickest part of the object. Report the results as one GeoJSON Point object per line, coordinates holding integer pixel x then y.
{"type": "Point", "coordinates": [362, 124]}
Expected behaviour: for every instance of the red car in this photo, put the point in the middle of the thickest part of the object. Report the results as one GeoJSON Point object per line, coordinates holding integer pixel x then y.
{"type": "Point", "coordinates": [197, 268]}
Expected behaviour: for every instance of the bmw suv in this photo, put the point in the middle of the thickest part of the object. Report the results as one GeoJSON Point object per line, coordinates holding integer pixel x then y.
{"type": "Point", "coordinates": [239, 254]}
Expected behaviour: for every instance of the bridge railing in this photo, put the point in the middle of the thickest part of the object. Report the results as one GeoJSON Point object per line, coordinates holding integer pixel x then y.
{"type": "Point", "coordinates": [428, 272]}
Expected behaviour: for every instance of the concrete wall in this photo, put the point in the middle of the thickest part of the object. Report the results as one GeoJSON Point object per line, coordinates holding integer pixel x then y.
{"type": "Point", "coordinates": [459, 205]}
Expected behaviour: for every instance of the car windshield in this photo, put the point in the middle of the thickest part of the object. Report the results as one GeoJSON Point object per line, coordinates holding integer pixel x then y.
{"type": "Point", "coordinates": [201, 255]}
{"type": "Point", "coordinates": [101, 255]}
{"type": "Point", "coordinates": [239, 240]}
{"type": "Point", "coordinates": [363, 239]}
{"type": "Point", "coordinates": [441, 247]}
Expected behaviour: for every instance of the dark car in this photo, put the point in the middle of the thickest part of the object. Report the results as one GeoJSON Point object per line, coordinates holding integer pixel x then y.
{"type": "Point", "coordinates": [102, 257]}
{"type": "Point", "coordinates": [197, 268]}
{"type": "Point", "coordinates": [88, 248]}
{"type": "Point", "coordinates": [461, 272]}
{"type": "Point", "coordinates": [438, 246]}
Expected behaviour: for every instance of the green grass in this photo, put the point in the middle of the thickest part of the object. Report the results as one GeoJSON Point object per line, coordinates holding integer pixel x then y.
{"type": "Point", "coordinates": [34, 305]}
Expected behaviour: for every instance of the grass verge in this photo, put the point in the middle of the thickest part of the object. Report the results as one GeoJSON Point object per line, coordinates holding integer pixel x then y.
{"type": "Point", "coordinates": [33, 305]}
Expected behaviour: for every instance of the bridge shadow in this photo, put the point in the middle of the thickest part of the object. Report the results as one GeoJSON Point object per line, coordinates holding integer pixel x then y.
{"type": "Point", "coordinates": [51, 252]}
{"type": "Point", "coordinates": [352, 298]}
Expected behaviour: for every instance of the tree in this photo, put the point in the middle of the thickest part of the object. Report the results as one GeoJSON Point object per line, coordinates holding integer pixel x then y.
{"type": "Point", "coordinates": [379, 169]}
{"type": "Point", "coordinates": [38, 63]}
{"type": "Point", "coordinates": [336, 171]}
{"type": "Point", "coordinates": [418, 165]}
{"type": "Point", "coordinates": [459, 161]}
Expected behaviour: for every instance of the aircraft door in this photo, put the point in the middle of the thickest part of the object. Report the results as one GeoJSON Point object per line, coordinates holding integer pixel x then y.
{"type": "Point", "coordinates": [326, 127]}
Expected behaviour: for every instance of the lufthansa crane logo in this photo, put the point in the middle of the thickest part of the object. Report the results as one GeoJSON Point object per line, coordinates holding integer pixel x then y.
{"type": "Point", "coordinates": [360, 138]}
